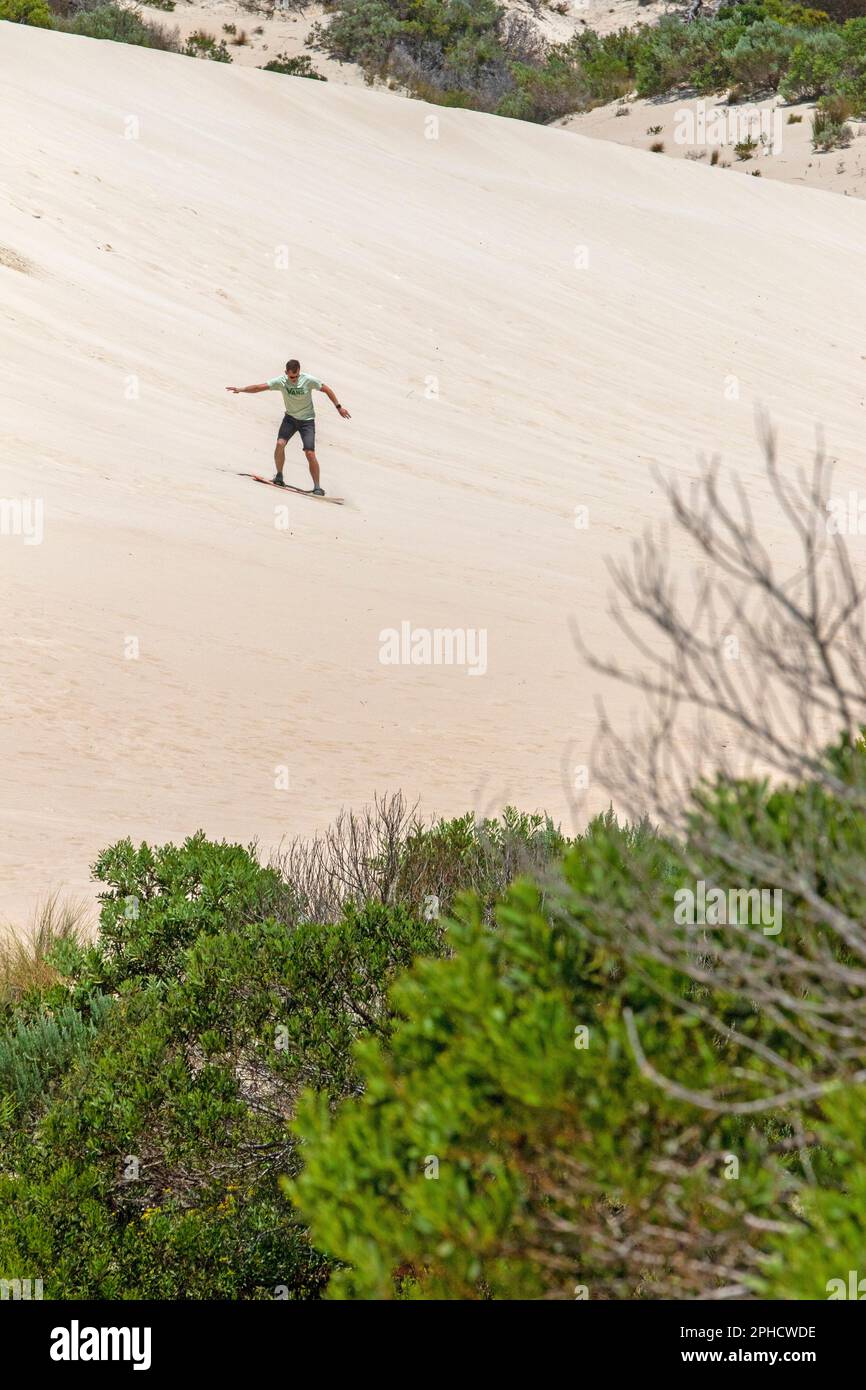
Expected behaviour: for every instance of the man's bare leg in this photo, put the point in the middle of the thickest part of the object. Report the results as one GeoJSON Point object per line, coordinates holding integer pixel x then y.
{"type": "Point", "coordinates": [280, 455]}
{"type": "Point", "coordinates": [313, 465]}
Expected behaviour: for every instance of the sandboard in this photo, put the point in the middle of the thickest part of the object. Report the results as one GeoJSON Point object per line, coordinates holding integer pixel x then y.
{"type": "Point", "coordinates": [288, 487]}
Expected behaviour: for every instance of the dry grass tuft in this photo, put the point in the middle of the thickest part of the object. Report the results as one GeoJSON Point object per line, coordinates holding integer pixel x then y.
{"type": "Point", "coordinates": [24, 956]}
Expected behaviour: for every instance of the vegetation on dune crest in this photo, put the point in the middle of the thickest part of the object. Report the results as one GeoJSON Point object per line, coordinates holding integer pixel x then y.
{"type": "Point", "coordinates": [34, 12]}
{"type": "Point", "coordinates": [478, 54]}
{"type": "Point", "coordinates": [101, 19]}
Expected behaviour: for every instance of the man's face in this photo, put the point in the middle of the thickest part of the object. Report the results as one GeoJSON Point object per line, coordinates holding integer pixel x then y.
{"type": "Point", "coordinates": [293, 376]}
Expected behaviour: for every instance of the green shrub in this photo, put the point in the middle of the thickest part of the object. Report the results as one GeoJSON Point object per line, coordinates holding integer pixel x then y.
{"type": "Point", "coordinates": [543, 95]}
{"type": "Point", "coordinates": [151, 1095]}
{"type": "Point", "coordinates": [35, 12]}
{"type": "Point", "coordinates": [830, 128]}
{"type": "Point", "coordinates": [674, 54]}
{"type": "Point", "coordinates": [814, 65]}
{"type": "Point", "coordinates": [485, 856]}
{"type": "Point", "coordinates": [35, 1051]}
{"type": "Point", "coordinates": [202, 45]}
{"type": "Point", "coordinates": [759, 58]}
{"type": "Point", "coordinates": [363, 32]}
{"type": "Point", "coordinates": [547, 1096]}
{"type": "Point", "coordinates": [147, 1079]}
{"type": "Point", "coordinates": [111, 22]}
{"type": "Point", "coordinates": [815, 1259]}
{"type": "Point", "coordinates": [158, 901]}
{"type": "Point", "coordinates": [385, 853]}
{"type": "Point", "coordinates": [294, 67]}
{"type": "Point", "coordinates": [606, 65]}
{"type": "Point", "coordinates": [499, 1150]}
{"type": "Point", "coordinates": [802, 16]}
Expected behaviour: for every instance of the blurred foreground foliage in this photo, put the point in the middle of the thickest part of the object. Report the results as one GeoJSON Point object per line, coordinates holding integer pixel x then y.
{"type": "Point", "coordinates": [437, 1093]}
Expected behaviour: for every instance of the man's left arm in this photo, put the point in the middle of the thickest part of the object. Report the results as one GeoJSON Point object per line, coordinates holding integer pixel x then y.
{"type": "Point", "coordinates": [331, 397]}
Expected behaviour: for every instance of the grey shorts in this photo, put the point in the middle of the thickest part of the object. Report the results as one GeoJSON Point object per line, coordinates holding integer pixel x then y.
{"type": "Point", "coordinates": [306, 429]}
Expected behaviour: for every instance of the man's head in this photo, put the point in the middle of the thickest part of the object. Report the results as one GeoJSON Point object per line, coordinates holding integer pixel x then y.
{"type": "Point", "coordinates": [293, 368]}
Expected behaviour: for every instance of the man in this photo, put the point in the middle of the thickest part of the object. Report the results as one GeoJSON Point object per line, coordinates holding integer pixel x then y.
{"type": "Point", "coordinates": [300, 417]}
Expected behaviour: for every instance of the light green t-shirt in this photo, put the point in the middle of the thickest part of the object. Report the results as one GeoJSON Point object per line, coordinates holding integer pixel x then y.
{"type": "Point", "coordinates": [297, 395]}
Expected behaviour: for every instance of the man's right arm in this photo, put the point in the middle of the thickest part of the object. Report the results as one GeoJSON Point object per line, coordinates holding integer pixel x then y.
{"type": "Point", "coordinates": [236, 390]}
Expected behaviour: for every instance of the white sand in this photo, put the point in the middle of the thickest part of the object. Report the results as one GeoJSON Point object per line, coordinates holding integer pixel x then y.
{"type": "Point", "coordinates": [149, 265]}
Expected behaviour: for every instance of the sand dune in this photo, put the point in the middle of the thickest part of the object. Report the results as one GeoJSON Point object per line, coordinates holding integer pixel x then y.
{"type": "Point", "coordinates": [494, 387]}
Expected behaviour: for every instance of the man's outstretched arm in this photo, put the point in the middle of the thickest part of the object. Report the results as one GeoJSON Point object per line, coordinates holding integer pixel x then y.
{"type": "Point", "coordinates": [262, 386]}
{"type": "Point", "coordinates": [331, 397]}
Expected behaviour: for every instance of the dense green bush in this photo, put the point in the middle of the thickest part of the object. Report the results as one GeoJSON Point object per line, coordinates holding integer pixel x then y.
{"type": "Point", "coordinates": [147, 1084]}
{"type": "Point", "coordinates": [35, 1049]}
{"type": "Point", "coordinates": [560, 1091]}
{"type": "Point", "coordinates": [677, 54]}
{"type": "Point", "coordinates": [606, 65]}
{"type": "Point", "coordinates": [473, 54]}
{"type": "Point", "coordinates": [485, 856]}
{"type": "Point", "coordinates": [165, 1140]}
{"type": "Point", "coordinates": [506, 1145]}
{"type": "Point", "coordinates": [814, 63]}
{"type": "Point", "coordinates": [109, 21]}
{"type": "Point", "coordinates": [759, 58]}
{"type": "Point", "coordinates": [447, 33]}
{"type": "Point", "coordinates": [157, 902]}
{"type": "Point", "coordinates": [34, 12]}
{"type": "Point", "coordinates": [499, 1150]}
{"type": "Point", "coordinates": [819, 1256]}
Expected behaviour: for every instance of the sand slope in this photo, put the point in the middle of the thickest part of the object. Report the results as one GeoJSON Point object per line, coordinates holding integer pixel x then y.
{"type": "Point", "coordinates": [139, 276]}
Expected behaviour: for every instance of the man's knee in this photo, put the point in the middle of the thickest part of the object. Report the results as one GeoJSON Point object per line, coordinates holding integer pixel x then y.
{"type": "Point", "coordinates": [311, 454]}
